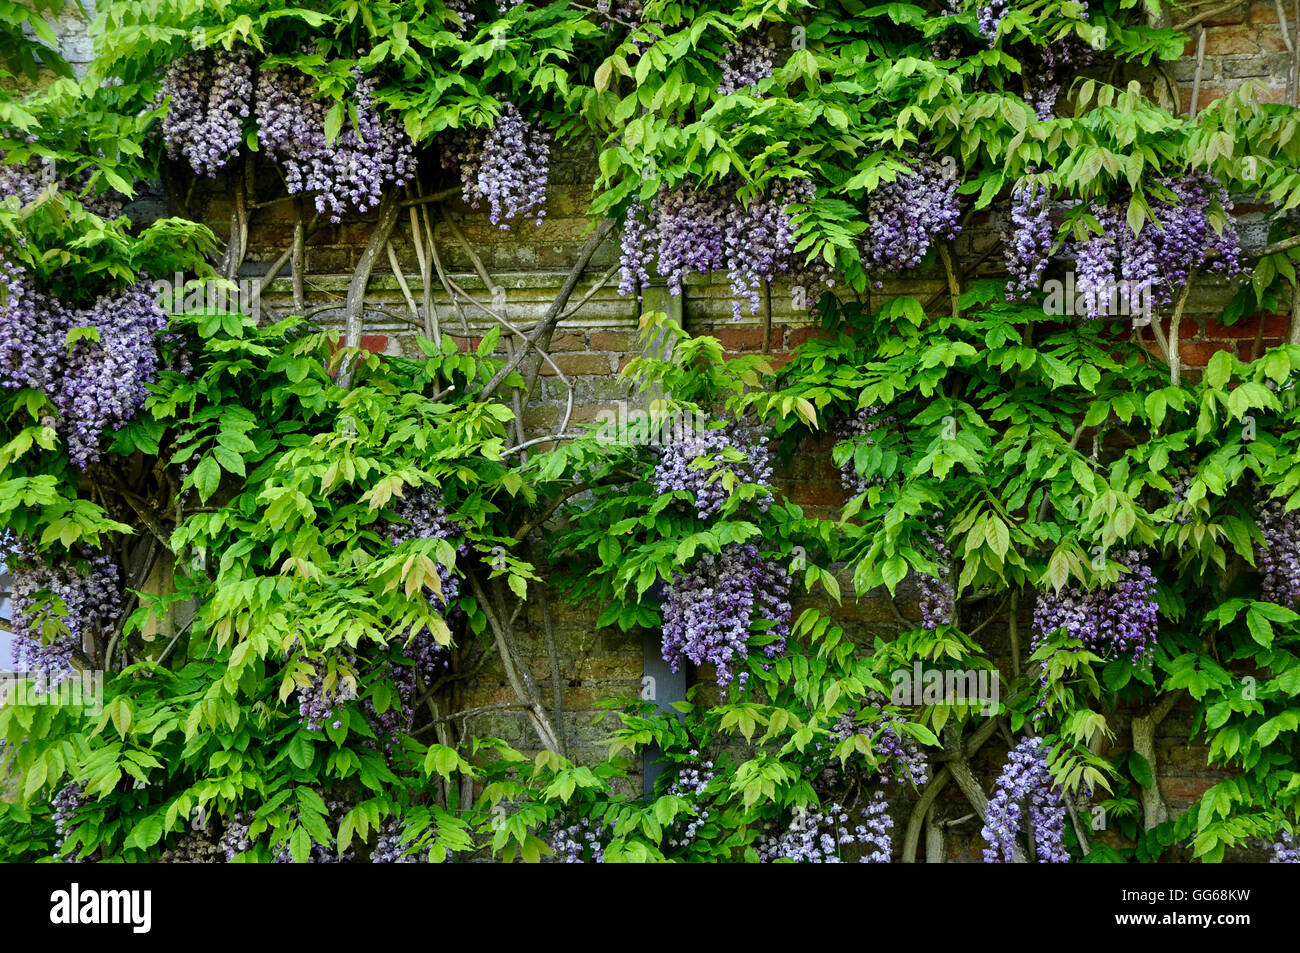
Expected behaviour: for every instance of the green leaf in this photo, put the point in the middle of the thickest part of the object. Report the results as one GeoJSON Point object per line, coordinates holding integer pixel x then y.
{"type": "Point", "coordinates": [148, 832]}
{"type": "Point", "coordinates": [1140, 769]}
{"type": "Point", "coordinates": [206, 478]}
{"type": "Point", "coordinates": [1219, 369]}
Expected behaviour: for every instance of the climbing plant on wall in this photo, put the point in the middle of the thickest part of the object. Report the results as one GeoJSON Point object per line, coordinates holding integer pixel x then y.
{"type": "Point", "coordinates": [289, 557]}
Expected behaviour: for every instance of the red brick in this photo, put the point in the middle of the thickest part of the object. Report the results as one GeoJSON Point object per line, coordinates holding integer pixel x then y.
{"type": "Point", "coordinates": [624, 341]}
{"type": "Point", "coordinates": [539, 418]}
{"type": "Point", "coordinates": [1198, 353]}
{"type": "Point", "coordinates": [800, 335]}
{"type": "Point", "coordinates": [740, 339]}
{"type": "Point", "coordinates": [578, 365]}
{"type": "Point", "coordinates": [329, 260]}
{"type": "Point", "coordinates": [591, 413]}
{"type": "Point", "coordinates": [1225, 42]}
{"type": "Point", "coordinates": [1184, 789]}
{"type": "Point", "coordinates": [356, 232]}
{"type": "Point", "coordinates": [1233, 17]}
{"type": "Point", "coordinates": [1263, 14]}
{"type": "Point", "coordinates": [1266, 94]}
{"type": "Point", "coordinates": [375, 343]}
{"type": "Point", "coordinates": [826, 494]}
{"type": "Point", "coordinates": [570, 341]}
{"type": "Point", "coordinates": [1275, 325]}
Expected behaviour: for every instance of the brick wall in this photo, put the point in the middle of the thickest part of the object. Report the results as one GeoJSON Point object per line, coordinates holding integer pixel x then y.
{"type": "Point", "coordinates": [592, 346]}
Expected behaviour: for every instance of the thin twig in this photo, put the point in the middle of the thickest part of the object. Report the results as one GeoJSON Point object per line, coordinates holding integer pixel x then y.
{"type": "Point", "coordinates": [1175, 321]}
{"type": "Point", "coordinates": [1196, 80]}
{"type": "Point", "coordinates": [354, 316]}
{"type": "Point", "coordinates": [954, 288]}
{"type": "Point", "coordinates": [600, 283]}
{"type": "Point", "coordinates": [401, 283]}
{"type": "Point", "coordinates": [469, 250]}
{"type": "Point", "coordinates": [522, 533]}
{"type": "Point", "coordinates": [426, 199]}
{"type": "Point", "coordinates": [1207, 15]}
{"type": "Point", "coordinates": [470, 712]}
{"type": "Point", "coordinates": [541, 335]}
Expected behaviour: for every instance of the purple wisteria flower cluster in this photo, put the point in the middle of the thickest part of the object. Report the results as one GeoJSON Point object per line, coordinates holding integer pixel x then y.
{"type": "Point", "coordinates": [1050, 66]}
{"type": "Point", "coordinates": [578, 843]}
{"type": "Point", "coordinates": [1279, 555]}
{"type": "Point", "coordinates": [637, 247]}
{"type": "Point", "coordinates": [1180, 486]}
{"type": "Point", "coordinates": [989, 18]}
{"type": "Point", "coordinates": [682, 465]}
{"type": "Point", "coordinates": [1138, 274]}
{"type": "Point", "coordinates": [349, 173]}
{"type": "Point", "coordinates": [389, 848]}
{"type": "Point", "coordinates": [898, 756]}
{"type": "Point", "coordinates": [817, 836]}
{"type": "Point", "coordinates": [67, 803]}
{"type": "Point", "coordinates": [30, 329]}
{"type": "Point", "coordinates": [625, 12]}
{"type": "Point", "coordinates": [1285, 850]}
{"type": "Point", "coordinates": [235, 838]}
{"type": "Point", "coordinates": [321, 853]}
{"type": "Point", "coordinates": [101, 382]}
{"type": "Point", "coordinates": [1028, 244]}
{"type": "Point", "coordinates": [858, 428]}
{"type": "Point", "coordinates": [91, 594]}
{"type": "Point", "coordinates": [1112, 621]}
{"type": "Point", "coordinates": [194, 847]}
{"type": "Point", "coordinates": [1026, 782]}
{"type": "Point", "coordinates": [318, 704]}
{"type": "Point", "coordinates": [28, 179]}
{"type": "Point", "coordinates": [209, 94]}
{"type": "Point", "coordinates": [905, 216]}
{"type": "Point", "coordinates": [936, 591]}
{"type": "Point", "coordinates": [422, 515]}
{"type": "Point", "coordinates": [464, 9]}
{"type": "Point", "coordinates": [948, 45]}
{"type": "Point", "coordinates": [691, 781]}
{"type": "Point", "coordinates": [702, 230]}
{"type": "Point", "coordinates": [105, 377]}
{"type": "Point", "coordinates": [506, 166]}
{"type": "Point", "coordinates": [746, 63]}
{"type": "Point", "coordinates": [710, 607]}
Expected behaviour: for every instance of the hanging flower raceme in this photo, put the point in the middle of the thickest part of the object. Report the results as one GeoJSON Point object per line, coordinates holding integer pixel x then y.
{"type": "Point", "coordinates": [710, 607]}
{"type": "Point", "coordinates": [690, 230]}
{"type": "Point", "coordinates": [1025, 784]}
{"type": "Point", "coordinates": [1115, 620]}
{"type": "Point", "coordinates": [906, 216]}
{"type": "Point", "coordinates": [349, 173]}
{"type": "Point", "coordinates": [506, 166]}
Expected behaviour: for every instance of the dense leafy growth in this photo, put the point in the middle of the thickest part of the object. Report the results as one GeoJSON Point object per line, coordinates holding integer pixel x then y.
{"type": "Point", "coordinates": [288, 555]}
